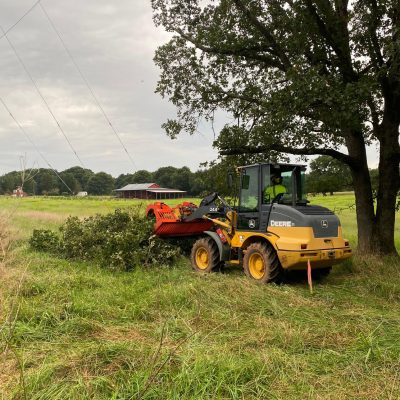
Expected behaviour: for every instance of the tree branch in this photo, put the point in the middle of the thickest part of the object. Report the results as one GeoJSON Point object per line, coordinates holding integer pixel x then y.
{"type": "Point", "coordinates": [309, 151]}
{"type": "Point", "coordinates": [251, 53]}
{"type": "Point", "coordinates": [375, 20]}
{"type": "Point", "coordinates": [265, 32]}
{"type": "Point", "coordinates": [333, 38]}
{"type": "Point", "coordinates": [374, 115]}
{"type": "Point", "coordinates": [323, 29]}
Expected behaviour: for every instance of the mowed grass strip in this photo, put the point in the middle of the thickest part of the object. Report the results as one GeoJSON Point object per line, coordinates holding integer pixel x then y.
{"type": "Point", "coordinates": [81, 332]}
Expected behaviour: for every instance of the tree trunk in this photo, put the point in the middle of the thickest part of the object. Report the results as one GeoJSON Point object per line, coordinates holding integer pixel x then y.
{"type": "Point", "coordinates": [365, 211]}
{"type": "Point", "coordinates": [363, 193]}
{"type": "Point", "coordinates": [389, 179]}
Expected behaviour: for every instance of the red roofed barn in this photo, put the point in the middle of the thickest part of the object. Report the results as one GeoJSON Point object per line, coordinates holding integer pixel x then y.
{"type": "Point", "coordinates": [149, 191]}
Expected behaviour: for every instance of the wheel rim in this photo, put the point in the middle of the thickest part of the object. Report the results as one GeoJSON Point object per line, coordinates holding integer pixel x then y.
{"type": "Point", "coordinates": [202, 258]}
{"type": "Point", "coordinates": [256, 266]}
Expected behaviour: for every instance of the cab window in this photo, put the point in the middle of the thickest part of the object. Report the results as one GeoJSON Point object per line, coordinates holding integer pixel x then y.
{"type": "Point", "coordinates": [277, 185]}
{"type": "Point", "coordinates": [266, 182]}
{"type": "Point", "coordinates": [287, 182]}
{"type": "Point", "coordinates": [302, 189]}
{"type": "Point", "coordinates": [249, 190]}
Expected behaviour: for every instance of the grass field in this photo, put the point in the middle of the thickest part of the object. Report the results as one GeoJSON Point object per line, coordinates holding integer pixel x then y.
{"type": "Point", "coordinates": [71, 330]}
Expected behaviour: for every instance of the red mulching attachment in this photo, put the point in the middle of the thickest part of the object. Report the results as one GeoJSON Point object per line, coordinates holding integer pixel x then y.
{"type": "Point", "coordinates": [169, 223]}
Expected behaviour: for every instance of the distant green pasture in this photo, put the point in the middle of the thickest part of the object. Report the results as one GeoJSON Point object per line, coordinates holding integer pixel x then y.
{"type": "Point", "coordinates": [49, 212]}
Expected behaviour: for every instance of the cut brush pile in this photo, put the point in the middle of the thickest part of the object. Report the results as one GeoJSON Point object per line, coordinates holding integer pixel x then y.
{"type": "Point", "coordinates": [120, 240]}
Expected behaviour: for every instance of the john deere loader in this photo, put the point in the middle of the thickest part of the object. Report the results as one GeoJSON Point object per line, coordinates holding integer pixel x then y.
{"type": "Point", "coordinates": [273, 228]}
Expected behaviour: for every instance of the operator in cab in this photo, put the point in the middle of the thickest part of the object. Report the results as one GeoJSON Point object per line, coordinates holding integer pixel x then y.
{"type": "Point", "coordinates": [275, 189]}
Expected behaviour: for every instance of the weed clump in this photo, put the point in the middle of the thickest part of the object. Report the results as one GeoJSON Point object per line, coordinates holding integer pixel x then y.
{"type": "Point", "coordinates": [44, 240]}
{"type": "Point", "coordinates": [120, 240]}
{"type": "Point", "coordinates": [5, 238]}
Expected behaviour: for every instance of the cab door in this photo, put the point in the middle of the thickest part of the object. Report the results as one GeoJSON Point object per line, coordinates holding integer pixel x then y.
{"type": "Point", "coordinates": [249, 200]}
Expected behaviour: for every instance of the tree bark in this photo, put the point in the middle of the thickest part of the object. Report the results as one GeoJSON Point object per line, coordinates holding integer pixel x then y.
{"type": "Point", "coordinates": [389, 177]}
{"type": "Point", "coordinates": [366, 224]}
{"type": "Point", "coordinates": [363, 194]}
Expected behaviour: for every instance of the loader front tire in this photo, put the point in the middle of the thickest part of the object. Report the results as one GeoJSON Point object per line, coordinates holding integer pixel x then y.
{"type": "Point", "coordinates": [205, 255]}
{"type": "Point", "coordinates": [261, 263]}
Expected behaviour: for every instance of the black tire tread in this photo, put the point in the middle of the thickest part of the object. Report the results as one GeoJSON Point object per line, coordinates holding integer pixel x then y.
{"type": "Point", "coordinates": [275, 270]}
{"type": "Point", "coordinates": [211, 246]}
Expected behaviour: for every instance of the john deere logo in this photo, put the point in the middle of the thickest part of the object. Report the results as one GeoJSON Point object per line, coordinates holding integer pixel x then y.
{"type": "Point", "coordinates": [324, 223]}
{"type": "Point", "coordinates": [252, 224]}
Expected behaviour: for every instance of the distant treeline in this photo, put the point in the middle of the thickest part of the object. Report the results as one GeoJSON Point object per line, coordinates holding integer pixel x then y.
{"type": "Point", "coordinates": [326, 176]}
{"type": "Point", "coordinates": [77, 179]}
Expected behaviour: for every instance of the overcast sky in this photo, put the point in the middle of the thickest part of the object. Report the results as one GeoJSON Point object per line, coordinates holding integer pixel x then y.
{"type": "Point", "coordinates": [114, 44]}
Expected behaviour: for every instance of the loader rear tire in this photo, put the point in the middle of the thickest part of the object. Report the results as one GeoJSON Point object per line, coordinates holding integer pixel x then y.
{"type": "Point", "coordinates": [261, 263]}
{"type": "Point", "coordinates": [205, 256]}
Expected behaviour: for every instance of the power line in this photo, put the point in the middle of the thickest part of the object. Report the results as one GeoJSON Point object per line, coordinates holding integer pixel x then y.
{"type": "Point", "coordinates": [96, 100]}
{"type": "Point", "coordinates": [23, 16]}
{"type": "Point", "coordinates": [41, 96]}
{"type": "Point", "coordinates": [34, 145]}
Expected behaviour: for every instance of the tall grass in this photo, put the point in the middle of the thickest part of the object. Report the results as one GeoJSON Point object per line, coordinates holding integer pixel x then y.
{"type": "Point", "coordinates": [5, 239]}
{"type": "Point", "coordinates": [9, 308]}
{"type": "Point", "coordinates": [84, 332]}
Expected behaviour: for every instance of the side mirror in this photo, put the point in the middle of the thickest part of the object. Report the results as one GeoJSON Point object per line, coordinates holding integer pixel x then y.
{"type": "Point", "coordinates": [245, 182]}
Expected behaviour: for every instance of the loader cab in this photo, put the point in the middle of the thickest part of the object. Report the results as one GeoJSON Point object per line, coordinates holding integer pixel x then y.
{"type": "Point", "coordinates": [260, 190]}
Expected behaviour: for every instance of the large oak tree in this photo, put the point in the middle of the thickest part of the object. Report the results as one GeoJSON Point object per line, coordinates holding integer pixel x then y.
{"type": "Point", "coordinates": [301, 77]}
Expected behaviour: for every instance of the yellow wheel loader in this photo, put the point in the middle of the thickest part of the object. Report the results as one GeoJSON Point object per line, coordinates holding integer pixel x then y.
{"type": "Point", "coordinates": [272, 229]}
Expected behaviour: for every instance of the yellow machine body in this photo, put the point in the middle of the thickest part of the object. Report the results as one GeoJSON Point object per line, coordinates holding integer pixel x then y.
{"type": "Point", "coordinates": [273, 228]}
{"type": "Point", "coordinates": [296, 246]}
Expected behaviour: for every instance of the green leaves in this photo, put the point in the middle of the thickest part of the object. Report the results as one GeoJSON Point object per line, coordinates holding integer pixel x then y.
{"type": "Point", "coordinates": [44, 240]}
{"type": "Point", "coordinates": [296, 72]}
{"type": "Point", "coordinates": [120, 240]}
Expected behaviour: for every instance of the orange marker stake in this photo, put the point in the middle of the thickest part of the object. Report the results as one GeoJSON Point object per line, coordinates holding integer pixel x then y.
{"type": "Point", "coordinates": [309, 276]}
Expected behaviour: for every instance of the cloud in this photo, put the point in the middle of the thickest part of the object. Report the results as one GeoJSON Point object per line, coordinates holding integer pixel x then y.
{"type": "Point", "coordinates": [114, 45]}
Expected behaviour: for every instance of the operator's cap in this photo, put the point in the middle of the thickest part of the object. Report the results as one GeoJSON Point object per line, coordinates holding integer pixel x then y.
{"type": "Point", "coordinates": [276, 177]}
